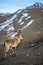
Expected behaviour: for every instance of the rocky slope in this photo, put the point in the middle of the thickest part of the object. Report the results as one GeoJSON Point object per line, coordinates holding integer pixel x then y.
{"type": "Point", "coordinates": [29, 20]}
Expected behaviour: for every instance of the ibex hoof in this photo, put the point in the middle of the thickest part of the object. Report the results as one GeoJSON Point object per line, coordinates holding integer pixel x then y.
{"type": "Point", "coordinates": [14, 55]}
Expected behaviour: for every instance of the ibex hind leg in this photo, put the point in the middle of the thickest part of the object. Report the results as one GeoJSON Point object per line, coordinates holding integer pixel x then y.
{"type": "Point", "coordinates": [14, 51]}
{"type": "Point", "coordinates": [6, 51]}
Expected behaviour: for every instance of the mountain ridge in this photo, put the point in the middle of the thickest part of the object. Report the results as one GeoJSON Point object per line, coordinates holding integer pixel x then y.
{"type": "Point", "coordinates": [35, 5]}
{"type": "Point", "coordinates": [30, 21]}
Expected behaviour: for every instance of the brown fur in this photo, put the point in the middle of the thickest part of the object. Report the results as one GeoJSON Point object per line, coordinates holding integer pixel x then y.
{"type": "Point", "coordinates": [12, 42]}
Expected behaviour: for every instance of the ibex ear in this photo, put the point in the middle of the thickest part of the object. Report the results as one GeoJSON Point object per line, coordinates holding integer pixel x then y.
{"type": "Point", "coordinates": [19, 31]}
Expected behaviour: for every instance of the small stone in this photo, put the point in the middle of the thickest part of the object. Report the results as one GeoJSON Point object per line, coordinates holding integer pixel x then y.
{"type": "Point", "coordinates": [27, 55]}
{"type": "Point", "coordinates": [10, 54]}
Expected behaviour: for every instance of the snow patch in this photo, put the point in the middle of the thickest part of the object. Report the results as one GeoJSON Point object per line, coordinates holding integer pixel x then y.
{"type": "Point", "coordinates": [13, 35]}
{"type": "Point", "coordinates": [10, 28]}
{"type": "Point", "coordinates": [19, 20]}
{"type": "Point", "coordinates": [13, 17]}
{"type": "Point", "coordinates": [22, 17]}
{"type": "Point", "coordinates": [25, 14]}
{"type": "Point", "coordinates": [21, 23]}
{"type": "Point", "coordinates": [28, 17]}
{"type": "Point", "coordinates": [7, 22]}
{"type": "Point", "coordinates": [19, 11]}
{"type": "Point", "coordinates": [25, 10]}
{"type": "Point", "coordinates": [9, 34]}
{"type": "Point", "coordinates": [27, 24]}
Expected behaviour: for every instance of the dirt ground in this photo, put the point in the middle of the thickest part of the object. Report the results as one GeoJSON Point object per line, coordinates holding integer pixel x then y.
{"type": "Point", "coordinates": [27, 54]}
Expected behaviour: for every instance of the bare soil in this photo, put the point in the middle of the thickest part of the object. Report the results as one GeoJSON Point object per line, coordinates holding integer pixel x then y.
{"type": "Point", "coordinates": [27, 54]}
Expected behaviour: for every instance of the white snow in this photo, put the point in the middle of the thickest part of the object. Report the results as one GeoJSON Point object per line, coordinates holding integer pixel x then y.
{"type": "Point", "coordinates": [19, 11]}
{"type": "Point", "coordinates": [27, 24]}
{"type": "Point", "coordinates": [19, 20]}
{"type": "Point", "coordinates": [28, 17]}
{"type": "Point", "coordinates": [10, 21]}
{"type": "Point", "coordinates": [25, 14]}
{"type": "Point", "coordinates": [25, 10]}
{"type": "Point", "coordinates": [21, 23]}
{"type": "Point", "coordinates": [10, 28]}
{"type": "Point", "coordinates": [39, 5]}
{"type": "Point", "coordinates": [10, 33]}
{"type": "Point", "coordinates": [13, 17]}
{"type": "Point", "coordinates": [7, 22]}
{"type": "Point", "coordinates": [13, 35]}
{"type": "Point", "coordinates": [22, 17]}
{"type": "Point", "coordinates": [2, 26]}
{"type": "Point", "coordinates": [16, 19]}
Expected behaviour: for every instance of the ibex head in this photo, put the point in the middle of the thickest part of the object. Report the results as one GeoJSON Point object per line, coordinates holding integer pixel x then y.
{"type": "Point", "coordinates": [19, 33]}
